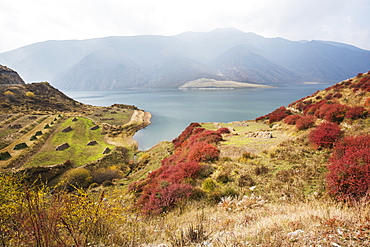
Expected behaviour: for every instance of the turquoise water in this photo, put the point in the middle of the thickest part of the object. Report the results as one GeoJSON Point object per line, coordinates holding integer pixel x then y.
{"type": "Point", "coordinates": [174, 109]}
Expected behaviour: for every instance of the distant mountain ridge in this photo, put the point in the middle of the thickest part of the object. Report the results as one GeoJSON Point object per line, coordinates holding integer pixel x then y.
{"type": "Point", "coordinates": [150, 61]}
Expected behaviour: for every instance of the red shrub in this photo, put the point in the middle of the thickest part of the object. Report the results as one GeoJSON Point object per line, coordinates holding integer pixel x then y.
{"type": "Point", "coordinates": [203, 152]}
{"type": "Point", "coordinates": [162, 200]}
{"type": "Point", "coordinates": [292, 119]}
{"type": "Point", "coordinates": [325, 135]}
{"type": "Point", "coordinates": [277, 115]}
{"type": "Point", "coordinates": [163, 188]}
{"type": "Point", "coordinates": [223, 131]}
{"type": "Point", "coordinates": [178, 172]}
{"type": "Point", "coordinates": [185, 134]}
{"type": "Point", "coordinates": [332, 112]}
{"type": "Point", "coordinates": [356, 112]}
{"type": "Point", "coordinates": [349, 169]}
{"type": "Point", "coordinates": [305, 122]}
{"type": "Point", "coordinates": [208, 136]}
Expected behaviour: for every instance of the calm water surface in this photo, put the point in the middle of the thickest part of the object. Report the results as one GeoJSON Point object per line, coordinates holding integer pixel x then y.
{"type": "Point", "coordinates": [174, 109]}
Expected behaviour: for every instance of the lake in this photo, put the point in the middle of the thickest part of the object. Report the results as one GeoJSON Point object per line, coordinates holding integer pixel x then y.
{"type": "Point", "coordinates": [174, 109]}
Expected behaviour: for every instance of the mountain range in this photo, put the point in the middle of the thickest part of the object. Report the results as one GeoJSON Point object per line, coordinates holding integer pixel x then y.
{"type": "Point", "coordinates": [152, 61]}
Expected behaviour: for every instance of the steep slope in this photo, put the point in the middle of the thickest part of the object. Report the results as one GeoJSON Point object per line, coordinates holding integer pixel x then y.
{"type": "Point", "coordinates": [9, 76]}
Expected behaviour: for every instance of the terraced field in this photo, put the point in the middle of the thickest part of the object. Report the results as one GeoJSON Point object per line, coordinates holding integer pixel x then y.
{"type": "Point", "coordinates": [32, 140]}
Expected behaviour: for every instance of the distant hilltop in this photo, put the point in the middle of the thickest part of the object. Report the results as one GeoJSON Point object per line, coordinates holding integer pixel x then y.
{"type": "Point", "coordinates": [9, 76]}
{"type": "Point", "coordinates": [153, 61]}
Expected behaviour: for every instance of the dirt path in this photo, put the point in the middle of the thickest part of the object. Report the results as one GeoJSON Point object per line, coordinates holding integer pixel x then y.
{"type": "Point", "coordinates": [25, 139]}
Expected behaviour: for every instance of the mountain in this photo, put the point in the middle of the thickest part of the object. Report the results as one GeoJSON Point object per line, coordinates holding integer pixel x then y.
{"type": "Point", "coordinates": [147, 61]}
{"type": "Point", "coordinates": [9, 76]}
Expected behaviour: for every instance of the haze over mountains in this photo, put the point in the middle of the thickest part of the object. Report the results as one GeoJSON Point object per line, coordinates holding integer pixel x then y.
{"type": "Point", "coordinates": [171, 61]}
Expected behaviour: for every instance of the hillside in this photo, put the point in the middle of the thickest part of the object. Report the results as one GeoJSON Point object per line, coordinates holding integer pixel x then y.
{"type": "Point", "coordinates": [36, 120]}
{"type": "Point", "coordinates": [152, 61]}
{"type": "Point", "coordinates": [298, 176]}
{"type": "Point", "coordinates": [9, 76]}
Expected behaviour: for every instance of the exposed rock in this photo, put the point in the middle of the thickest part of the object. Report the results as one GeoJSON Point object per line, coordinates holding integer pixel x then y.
{"type": "Point", "coordinates": [240, 123]}
{"type": "Point", "coordinates": [9, 76]}
{"type": "Point", "coordinates": [92, 143]}
{"type": "Point", "coordinates": [231, 129]}
{"type": "Point", "coordinates": [94, 127]}
{"type": "Point", "coordinates": [106, 150]}
{"type": "Point", "coordinates": [68, 129]}
{"type": "Point", "coordinates": [62, 147]}
{"type": "Point", "coordinates": [74, 119]}
{"type": "Point", "coordinates": [259, 134]}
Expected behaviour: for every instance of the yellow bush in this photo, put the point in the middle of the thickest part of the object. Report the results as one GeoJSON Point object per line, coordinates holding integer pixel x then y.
{"type": "Point", "coordinates": [76, 178]}
{"type": "Point", "coordinates": [8, 93]}
{"type": "Point", "coordinates": [30, 95]}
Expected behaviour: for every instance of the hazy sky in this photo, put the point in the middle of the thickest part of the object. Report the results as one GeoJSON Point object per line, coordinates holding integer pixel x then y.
{"type": "Point", "coordinates": [24, 22]}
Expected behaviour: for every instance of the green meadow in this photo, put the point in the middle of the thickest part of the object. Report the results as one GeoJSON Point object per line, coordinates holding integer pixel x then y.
{"type": "Point", "coordinates": [78, 152]}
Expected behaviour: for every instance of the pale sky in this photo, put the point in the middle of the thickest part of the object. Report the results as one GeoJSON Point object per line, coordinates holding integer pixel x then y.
{"type": "Point", "coordinates": [23, 22]}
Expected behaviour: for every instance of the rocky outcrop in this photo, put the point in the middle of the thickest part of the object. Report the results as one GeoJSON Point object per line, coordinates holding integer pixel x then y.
{"type": "Point", "coordinates": [9, 76]}
{"type": "Point", "coordinates": [259, 134]}
{"type": "Point", "coordinates": [106, 150]}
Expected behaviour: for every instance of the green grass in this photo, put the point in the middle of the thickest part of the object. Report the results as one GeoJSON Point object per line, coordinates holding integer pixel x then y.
{"type": "Point", "coordinates": [78, 152]}
{"type": "Point", "coordinates": [121, 117]}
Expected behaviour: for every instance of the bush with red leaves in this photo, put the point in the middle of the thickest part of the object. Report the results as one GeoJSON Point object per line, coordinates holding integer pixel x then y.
{"type": "Point", "coordinates": [277, 115]}
{"type": "Point", "coordinates": [165, 198]}
{"type": "Point", "coordinates": [166, 186]}
{"type": "Point", "coordinates": [305, 122]}
{"type": "Point", "coordinates": [185, 134]}
{"type": "Point", "coordinates": [356, 112]}
{"type": "Point", "coordinates": [325, 135]}
{"type": "Point", "coordinates": [332, 112]}
{"type": "Point", "coordinates": [292, 119]}
{"type": "Point", "coordinates": [349, 169]}
{"type": "Point", "coordinates": [203, 152]}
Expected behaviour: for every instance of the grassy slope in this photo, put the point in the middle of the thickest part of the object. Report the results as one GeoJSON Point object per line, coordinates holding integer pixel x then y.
{"type": "Point", "coordinates": [285, 205]}
{"type": "Point", "coordinates": [77, 139]}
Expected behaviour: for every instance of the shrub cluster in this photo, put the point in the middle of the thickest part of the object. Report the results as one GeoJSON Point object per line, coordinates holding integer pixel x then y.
{"type": "Point", "coordinates": [38, 216]}
{"type": "Point", "coordinates": [325, 135]}
{"type": "Point", "coordinates": [166, 186]}
{"type": "Point", "coordinates": [349, 169]}
{"type": "Point", "coordinates": [275, 116]}
{"type": "Point", "coordinates": [301, 122]}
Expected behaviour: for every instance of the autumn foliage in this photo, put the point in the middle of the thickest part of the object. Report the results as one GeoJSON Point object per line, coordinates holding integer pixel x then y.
{"type": "Point", "coordinates": [166, 186]}
{"type": "Point", "coordinates": [349, 170]}
{"type": "Point", "coordinates": [277, 115]}
{"type": "Point", "coordinates": [325, 135]}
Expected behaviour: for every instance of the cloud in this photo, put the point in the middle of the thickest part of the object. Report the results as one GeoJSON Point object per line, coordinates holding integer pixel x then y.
{"type": "Point", "coordinates": [24, 22]}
